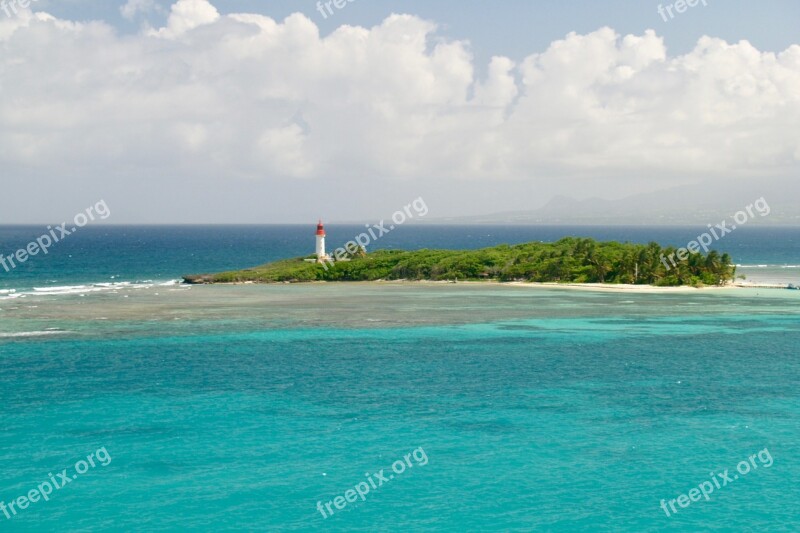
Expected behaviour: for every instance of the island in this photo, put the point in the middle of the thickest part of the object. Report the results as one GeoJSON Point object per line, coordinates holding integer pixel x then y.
{"type": "Point", "coordinates": [569, 260]}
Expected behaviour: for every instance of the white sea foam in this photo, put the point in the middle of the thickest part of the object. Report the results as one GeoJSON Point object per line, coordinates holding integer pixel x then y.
{"type": "Point", "coordinates": [82, 290]}
{"type": "Point", "coordinates": [61, 289]}
{"type": "Point", "coordinates": [11, 295]}
{"type": "Point", "coordinates": [21, 334]}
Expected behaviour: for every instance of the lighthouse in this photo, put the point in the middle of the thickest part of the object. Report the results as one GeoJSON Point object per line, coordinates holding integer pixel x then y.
{"type": "Point", "coordinates": [321, 256]}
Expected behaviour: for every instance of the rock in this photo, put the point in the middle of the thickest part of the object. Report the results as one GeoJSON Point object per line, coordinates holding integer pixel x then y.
{"type": "Point", "coordinates": [202, 279]}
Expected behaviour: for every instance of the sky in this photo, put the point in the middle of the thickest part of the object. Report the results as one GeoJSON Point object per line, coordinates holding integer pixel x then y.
{"type": "Point", "coordinates": [244, 111]}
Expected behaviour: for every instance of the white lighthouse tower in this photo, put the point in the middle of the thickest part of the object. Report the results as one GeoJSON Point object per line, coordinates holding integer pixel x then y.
{"type": "Point", "coordinates": [321, 255]}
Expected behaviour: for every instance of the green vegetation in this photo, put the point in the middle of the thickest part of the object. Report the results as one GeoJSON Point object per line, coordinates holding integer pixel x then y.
{"type": "Point", "coordinates": [570, 260]}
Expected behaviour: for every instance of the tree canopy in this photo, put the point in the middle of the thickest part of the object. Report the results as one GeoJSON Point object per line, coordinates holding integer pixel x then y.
{"type": "Point", "coordinates": [570, 260]}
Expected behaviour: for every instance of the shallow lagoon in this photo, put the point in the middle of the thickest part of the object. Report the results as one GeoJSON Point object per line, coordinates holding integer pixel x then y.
{"type": "Point", "coordinates": [241, 407]}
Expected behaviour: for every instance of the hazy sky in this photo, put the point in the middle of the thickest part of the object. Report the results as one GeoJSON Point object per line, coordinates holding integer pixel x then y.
{"type": "Point", "coordinates": [255, 111]}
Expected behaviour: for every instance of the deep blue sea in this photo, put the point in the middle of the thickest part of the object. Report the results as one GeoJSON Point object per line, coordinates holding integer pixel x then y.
{"type": "Point", "coordinates": [103, 254]}
{"type": "Point", "coordinates": [137, 404]}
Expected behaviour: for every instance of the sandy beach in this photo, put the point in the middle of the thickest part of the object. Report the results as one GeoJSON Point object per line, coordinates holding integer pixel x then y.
{"type": "Point", "coordinates": [604, 287]}
{"type": "Point", "coordinates": [609, 287]}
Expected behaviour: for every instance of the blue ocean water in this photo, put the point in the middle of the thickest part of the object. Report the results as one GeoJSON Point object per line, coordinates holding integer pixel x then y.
{"type": "Point", "coordinates": [239, 408]}
{"type": "Point", "coordinates": [103, 254]}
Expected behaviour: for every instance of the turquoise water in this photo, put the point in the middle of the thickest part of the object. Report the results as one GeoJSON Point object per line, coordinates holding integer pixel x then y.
{"type": "Point", "coordinates": [239, 408]}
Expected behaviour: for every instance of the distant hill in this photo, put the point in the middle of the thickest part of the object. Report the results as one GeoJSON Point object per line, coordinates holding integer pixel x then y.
{"type": "Point", "coordinates": [696, 205]}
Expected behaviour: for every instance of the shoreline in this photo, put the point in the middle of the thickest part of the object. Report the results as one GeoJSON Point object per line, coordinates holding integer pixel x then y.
{"type": "Point", "coordinates": [600, 287]}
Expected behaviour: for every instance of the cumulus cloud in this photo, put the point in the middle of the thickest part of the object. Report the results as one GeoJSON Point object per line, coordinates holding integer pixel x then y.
{"type": "Point", "coordinates": [221, 95]}
{"type": "Point", "coordinates": [187, 15]}
{"type": "Point", "coordinates": [132, 8]}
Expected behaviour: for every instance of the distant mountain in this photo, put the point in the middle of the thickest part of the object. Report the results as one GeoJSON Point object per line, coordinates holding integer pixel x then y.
{"type": "Point", "coordinates": [677, 206]}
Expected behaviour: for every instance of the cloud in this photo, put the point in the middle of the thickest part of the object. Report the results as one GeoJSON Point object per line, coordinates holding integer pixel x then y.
{"type": "Point", "coordinates": [132, 8]}
{"type": "Point", "coordinates": [211, 95]}
{"type": "Point", "coordinates": [187, 15]}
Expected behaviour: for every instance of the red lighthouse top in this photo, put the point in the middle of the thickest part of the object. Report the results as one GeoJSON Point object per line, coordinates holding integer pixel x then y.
{"type": "Point", "coordinates": [320, 229]}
